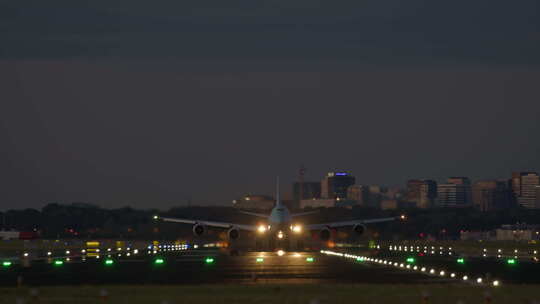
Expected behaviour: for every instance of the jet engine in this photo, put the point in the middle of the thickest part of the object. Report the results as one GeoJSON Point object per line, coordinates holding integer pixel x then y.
{"type": "Point", "coordinates": [199, 229]}
{"type": "Point", "coordinates": [233, 233]}
{"type": "Point", "coordinates": [359, 229]}
{"type": "Point", "coordinates": [325, 234]}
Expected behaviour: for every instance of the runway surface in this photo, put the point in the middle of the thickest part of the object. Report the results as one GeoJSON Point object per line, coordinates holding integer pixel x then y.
{"type": "Point", "coordinates": [208, 267]}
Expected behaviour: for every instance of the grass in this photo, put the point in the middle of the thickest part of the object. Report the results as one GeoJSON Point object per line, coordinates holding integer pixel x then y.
{"type": "Point", "coordinates": [283, 294]}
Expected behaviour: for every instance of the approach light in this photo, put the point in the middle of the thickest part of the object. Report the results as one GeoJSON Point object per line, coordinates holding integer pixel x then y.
{"type": "Point", "coordinates": [280, 253]}
{"type": "Point", "coordinates": [496, 283]}
{"type": "Point", "coordinates": [209, 260]}
{"type": "Point", "coordinates": [109, 262]}
{"type": "Point", "coordinates": [261, 229]}
{"type": "Point", "coordinates": [297, 228]}
{"type": "Point", "coordinates": [403, 217]}
{"type": "Point", "coordinates": [280, 235]}
{"type": "Point", "coordinates": [155, 217]}
{"type": "Point", "coordinates": [159, 261]}
{"type": "Point", "coordinates": [6, 263]}
{"type": "Point", "coordinates": [310, 259]}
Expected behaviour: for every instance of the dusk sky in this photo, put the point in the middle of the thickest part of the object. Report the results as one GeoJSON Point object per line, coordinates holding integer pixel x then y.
{"type": "Point", "coordinates": [146, 104]}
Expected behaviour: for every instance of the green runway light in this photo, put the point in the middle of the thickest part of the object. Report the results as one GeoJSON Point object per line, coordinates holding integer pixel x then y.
{"type": "Point", "coordinates": [109, 262]}
{"type": "Point", "coordinates": [360, 259]}
{"type": "Point", "coordinates": [260, 260]}
{"type": "Point", "coordinates": [209, 260]}
{"type": "Point", "coordinates": [310, 259]}
{"type": "Point", "coordinates": [511, 261]}
{"type": "Point", "coordinates": [410, 260]}
{"type": "Point", "coordinates": [461, 261]}
{"type": "Point", "coordinates": [159, 261]}
{"type": "Point", "coordinates": [6, 264]}
{"type": "Point", "coordinates": [58, 263]}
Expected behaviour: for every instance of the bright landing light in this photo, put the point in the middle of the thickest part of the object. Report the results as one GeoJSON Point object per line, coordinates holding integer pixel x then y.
{"type": "Point", "coordinates": [261, 229]}
{"type": "Point", "coordinates": [296, 228]}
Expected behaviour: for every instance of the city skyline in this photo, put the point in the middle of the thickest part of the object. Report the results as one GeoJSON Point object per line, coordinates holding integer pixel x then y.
{"type": "Point", "coordinates": [288, 188]}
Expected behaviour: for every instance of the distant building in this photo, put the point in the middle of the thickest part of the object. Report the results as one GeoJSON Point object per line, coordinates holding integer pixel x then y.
{"type": "Point", "coordinates": [490, 195]}
{"type": "Point", "coordinates": [358, 193]}
{"type": "Point", "coordinates": [335, 185]}
{"type": "Point", "coordinates": [311, 190]}
{"type": "Point", "coordinates": [422, 192]}
{"type": "Point", "coordinates": [389, 204]}
{"type": "Point", "coordinates": [524, 188]}
{"type": "Point", "coordinates": [538, 197]}
{"type": "Point", "coordinates": [259, 202]}
{"type": "Point", "coordinates": [317, 203]}
{"type": "Point", "coordinates": [455, 193]}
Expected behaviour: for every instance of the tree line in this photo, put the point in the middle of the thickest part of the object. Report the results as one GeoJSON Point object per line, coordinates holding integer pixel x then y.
{"type": "Point", "coordinates": [87, 221]}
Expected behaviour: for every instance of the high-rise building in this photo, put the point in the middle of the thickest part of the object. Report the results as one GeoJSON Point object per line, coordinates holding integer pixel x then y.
{"type": "Point", "coordinates": [311, 190]}
{"type": "Point", "coordinates": [524, 188]}
{"type": "Point", "coordinates": [421, 192]}
{"type": "Point", "coordinates": [335, 185]}
{"type": "Point", "coordinates": [490, 195]}
{"type": "Point", "coordinates": [538, 197]}
{"type": "Point", "coordinates": [455, 193]}
{"type": "Point", "coordinates": [358, 193]}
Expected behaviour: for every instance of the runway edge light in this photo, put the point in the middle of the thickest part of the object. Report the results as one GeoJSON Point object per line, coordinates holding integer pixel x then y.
{"type": "Point", "coordinates": [209, 260]}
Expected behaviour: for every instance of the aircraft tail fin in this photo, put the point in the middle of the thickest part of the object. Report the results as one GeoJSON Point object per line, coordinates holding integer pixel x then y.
{"type": "Point", "coordinates": [278, 200]}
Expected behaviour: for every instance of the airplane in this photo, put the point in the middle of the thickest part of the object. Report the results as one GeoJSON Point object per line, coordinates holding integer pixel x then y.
{"type": "Point", "coordinates": [280, 225]}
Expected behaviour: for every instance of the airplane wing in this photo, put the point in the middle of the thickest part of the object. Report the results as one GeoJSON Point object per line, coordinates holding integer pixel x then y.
{"type": "Point", "coordinates": [304, 213]}
{"type": "Point", "coordinates": [209, 223]}
{"type": "Point", "coordinates": [349, 223]}
{"type": "Point", "coordinates": [255, 214]}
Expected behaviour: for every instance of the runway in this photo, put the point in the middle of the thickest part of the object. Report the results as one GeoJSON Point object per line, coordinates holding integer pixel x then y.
{"type": "Point", "coordinates": [209, 267]}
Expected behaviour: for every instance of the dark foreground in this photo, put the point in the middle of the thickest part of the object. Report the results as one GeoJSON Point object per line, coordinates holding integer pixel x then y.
{"type": "Point", "coordinates": [273, 293]}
